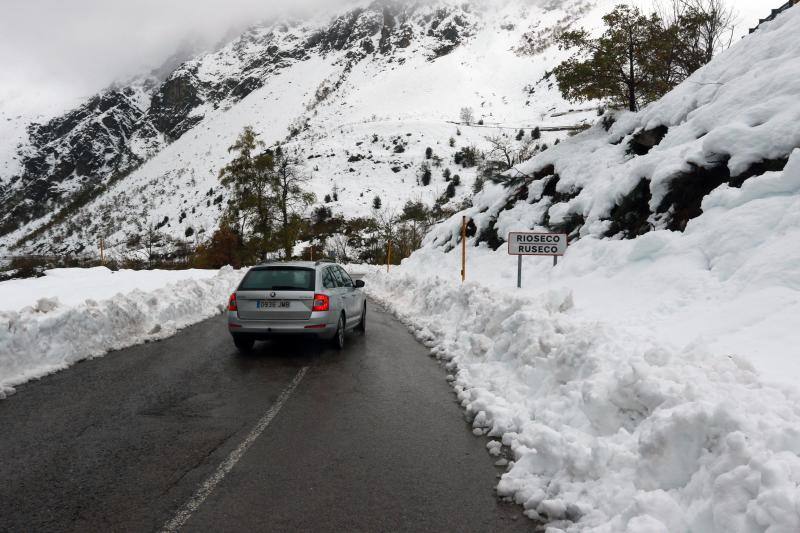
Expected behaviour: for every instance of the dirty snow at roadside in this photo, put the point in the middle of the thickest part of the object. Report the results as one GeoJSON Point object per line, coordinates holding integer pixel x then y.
{"type": "Point", "coordinates": [49, 323]}
{"type": "Point", "coordinates": [648, 384]}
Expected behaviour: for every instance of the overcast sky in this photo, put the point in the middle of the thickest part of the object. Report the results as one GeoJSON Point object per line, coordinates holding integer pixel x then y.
{"type": "Point", "coordinates": [59, 50]}
{"type": "Point", "coordinates": [53, 52]}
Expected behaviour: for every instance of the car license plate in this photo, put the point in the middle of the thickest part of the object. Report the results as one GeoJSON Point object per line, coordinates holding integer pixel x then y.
{"type": "Point", "coordinates": [272, 304]}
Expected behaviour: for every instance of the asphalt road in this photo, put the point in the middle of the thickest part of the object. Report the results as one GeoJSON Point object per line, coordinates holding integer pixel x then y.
{"type": "Point", "coordinates": [184, 434]}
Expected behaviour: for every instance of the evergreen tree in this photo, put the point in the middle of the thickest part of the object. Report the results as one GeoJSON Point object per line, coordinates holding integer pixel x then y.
{"type": "Point", "coordinates": [376, 203]}
{"type": "Point", "coordinates": [536, 134]}
{"type": "Point", "coordinates": [619, 62]}
{"type": "Point", "coordinates": [639, 57]}
{"type": "Point", "coordinates": [428, 152]}
{"type": "Point", "coordinates": [249, 178]}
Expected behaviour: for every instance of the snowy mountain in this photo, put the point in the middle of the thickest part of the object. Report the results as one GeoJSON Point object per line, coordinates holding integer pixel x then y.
{"type": "Point", "coordinates": [346, 92]}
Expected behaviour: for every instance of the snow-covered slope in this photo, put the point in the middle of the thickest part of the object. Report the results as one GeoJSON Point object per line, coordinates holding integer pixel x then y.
{"type": "Point", "coordinates": [649, 381]}
{"type": "Point", "coordinates": [150, 152]}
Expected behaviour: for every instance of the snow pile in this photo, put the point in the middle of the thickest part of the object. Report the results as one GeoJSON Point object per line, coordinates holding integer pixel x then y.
{"type": "Point", "coordinates": [646, 384]}
{"type": "Point", "coordinates": [608, 431]}
{"type": "Point", "coordinates": [83, 313]}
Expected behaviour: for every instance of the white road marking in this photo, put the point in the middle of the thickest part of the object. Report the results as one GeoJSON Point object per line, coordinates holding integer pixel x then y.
{"type": "Point", "coordinates": [227, 465]}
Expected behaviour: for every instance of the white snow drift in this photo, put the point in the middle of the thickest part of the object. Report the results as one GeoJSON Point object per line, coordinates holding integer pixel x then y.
{"type": "Point", "coordinates": [643, 385]}
{"type": "Point", "coordinates": [83, 313]}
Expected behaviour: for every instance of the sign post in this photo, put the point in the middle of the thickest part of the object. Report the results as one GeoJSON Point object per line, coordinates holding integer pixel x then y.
{"type": "Point", "coordinates": [527, 243]}
{"type": "Point", "coordinates": [463, 249]}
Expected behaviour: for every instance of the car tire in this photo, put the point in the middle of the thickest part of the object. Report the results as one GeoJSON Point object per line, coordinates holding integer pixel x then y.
{"type": "Point", "coordinates": [243, 344]}
{"type": "Point", "coordinates": [338, 337]}
{"type": "Point", "coordinates": [362, 325]}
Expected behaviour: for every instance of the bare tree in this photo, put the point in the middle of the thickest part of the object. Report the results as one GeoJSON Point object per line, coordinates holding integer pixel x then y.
{"type": "Point", "coordinates": [467, 115]}
{"type": "Point", "coordinates": [717, 21]}
{"type": "Point", "coordinates": [701, 29]}
{"type": "Point", "coordinates": [147, 243]}
{"type": "Point", "coordinates": [336, 247]}
{"type": "Point", "coordinates": [502, 151]}
{"type": "Point", "coordinates": [290, 196]}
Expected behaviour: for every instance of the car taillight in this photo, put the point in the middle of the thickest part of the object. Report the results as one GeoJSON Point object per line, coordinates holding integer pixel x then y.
{"type": "Point", "coordinates": [232, 303]}
{"type": "Point", "coordinates": [321, 303]}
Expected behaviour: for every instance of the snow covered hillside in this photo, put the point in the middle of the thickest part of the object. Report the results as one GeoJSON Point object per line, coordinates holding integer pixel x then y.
{"type": "Point", "coordinates": [649, 381]}
{"type": "Point", "coordinates": [346, 92]}
{"type": "Point", "coordinates": [71, 314]}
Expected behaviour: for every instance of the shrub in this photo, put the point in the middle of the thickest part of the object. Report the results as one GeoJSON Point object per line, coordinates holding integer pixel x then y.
{"type": "Point", "coordinates": [428, 152]}
{"type": "Point", "coordinates": [376, 203]}
{"type": "Point", "coordinates": [425, 174]}
{"type": "Point", "coordinates": [224, 248]}
{"type": "Point", "coordinates": [478, 185]}
{"type": "Point", "coordinates": [466, 157]}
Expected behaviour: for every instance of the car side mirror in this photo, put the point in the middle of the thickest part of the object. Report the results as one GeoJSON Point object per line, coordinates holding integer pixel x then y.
{"type": "Point", "coordinates": [359, 283]}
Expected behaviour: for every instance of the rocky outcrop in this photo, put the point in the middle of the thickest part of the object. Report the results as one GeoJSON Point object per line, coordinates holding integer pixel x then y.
{"type": "Point", "coordinates": [74, 151]}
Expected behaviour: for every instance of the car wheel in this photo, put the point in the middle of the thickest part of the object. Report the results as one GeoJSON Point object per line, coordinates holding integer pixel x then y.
{"type": "Point", "coordinates": [362, 326]}
{"type": "Point", "coordinates": [243, 344]}
{"type": "Point", "coordinates": [338, 338]}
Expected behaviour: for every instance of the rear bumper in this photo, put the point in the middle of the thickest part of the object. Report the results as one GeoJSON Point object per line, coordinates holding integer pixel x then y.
{"type": "Point", "coordinates": [317, 326]}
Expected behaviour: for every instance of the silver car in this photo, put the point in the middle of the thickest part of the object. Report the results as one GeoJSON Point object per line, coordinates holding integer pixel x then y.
{"type": "Point", "coordinates": [296, 298]}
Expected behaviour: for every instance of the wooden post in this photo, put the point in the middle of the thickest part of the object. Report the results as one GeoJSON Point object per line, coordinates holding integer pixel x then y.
{"type": "Point", "coordinates": [463, 249]}
{"type": "Point", "coordinates": [388, 254]}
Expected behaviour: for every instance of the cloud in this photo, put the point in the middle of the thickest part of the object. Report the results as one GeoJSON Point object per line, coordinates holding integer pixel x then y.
{"type": "Point", "coordinates": [56, 51]}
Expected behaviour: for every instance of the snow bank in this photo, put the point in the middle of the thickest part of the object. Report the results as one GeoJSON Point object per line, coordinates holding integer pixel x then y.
{"type": "Point", "coordinates": [83, 313]}
{"type": "Point", "coordinates": [609, 431]}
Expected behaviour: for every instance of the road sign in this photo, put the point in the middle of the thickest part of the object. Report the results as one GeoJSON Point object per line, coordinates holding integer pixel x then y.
{"type": "Point", "coordinates": [520, 243]}
{"type": "Point", "coordinates": [527, 243]}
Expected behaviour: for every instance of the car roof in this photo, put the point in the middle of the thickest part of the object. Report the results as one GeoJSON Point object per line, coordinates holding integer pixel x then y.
{"type": "Point", "coordinates": [296, 264]}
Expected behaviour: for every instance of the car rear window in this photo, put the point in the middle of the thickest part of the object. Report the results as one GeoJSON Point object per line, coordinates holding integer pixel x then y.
{"type": "Point", "coordinates": [278, 279]}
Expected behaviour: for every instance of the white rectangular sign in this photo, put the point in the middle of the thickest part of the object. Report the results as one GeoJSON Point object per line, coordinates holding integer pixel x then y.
{"type": "Point", "coordinates": [521, 243]}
